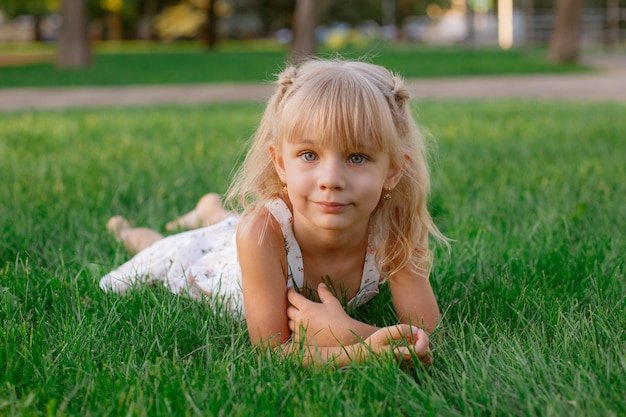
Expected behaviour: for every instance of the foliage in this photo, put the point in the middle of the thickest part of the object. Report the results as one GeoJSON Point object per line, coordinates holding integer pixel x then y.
{"type": "Point", "coordinates": [137, 63]}
{"type": "Point", "coordinates": [276, 14]}
{"type": "Point", "coordinates": [179, 21]}
{"type": "Point", "coordinates": [549, 4]}
{"type": "Point", "coordinates": [532, 290]}
{"type": "Point", "coordinates": [14, 8]}
{"type": "Point", "coordinates": [355, 12]}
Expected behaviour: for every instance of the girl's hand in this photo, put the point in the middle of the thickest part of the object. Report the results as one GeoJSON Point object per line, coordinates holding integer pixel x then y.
{"type": "Point", "coordinates": [319, 324]}
{"type": "Point", "coordinates": [403, 341]}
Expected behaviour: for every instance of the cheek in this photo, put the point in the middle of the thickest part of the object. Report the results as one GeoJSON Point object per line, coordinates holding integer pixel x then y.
{"type": "Point", "coordinates": [296, 177]}
{"type": "Point", "coordinates": [375, 179]}
{"type": "Point", "coordinates": [371, 188]}
{"type": "Point", "coordinates": [289, 169]}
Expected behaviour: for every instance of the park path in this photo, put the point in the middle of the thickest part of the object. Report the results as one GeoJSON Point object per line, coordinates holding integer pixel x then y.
{"type": "Point", "coordinates": [606, 83]}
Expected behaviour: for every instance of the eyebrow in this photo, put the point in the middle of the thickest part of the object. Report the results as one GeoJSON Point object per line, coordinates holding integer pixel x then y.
{"type": "Point", "coordinates": [303, 141]}
{"type": "Point", "coordinates": [360, 146]}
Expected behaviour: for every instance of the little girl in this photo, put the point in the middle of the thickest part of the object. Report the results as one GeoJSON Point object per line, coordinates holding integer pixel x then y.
{"type": "Point", "coordinates": [333, 194]}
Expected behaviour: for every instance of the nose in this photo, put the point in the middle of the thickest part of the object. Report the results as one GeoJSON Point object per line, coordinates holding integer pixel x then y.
{"type": "Point", "coordinates": [332, 174]}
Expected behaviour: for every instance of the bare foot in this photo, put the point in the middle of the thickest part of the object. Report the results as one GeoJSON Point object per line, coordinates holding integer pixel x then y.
{"type": "Point", "coordinates": [186, 221]}
{"type": "Point", "coordinates": [116, 226]}
{"type": "Point", "coordinates": [135, 239]}
{"type": "Point", "coordinates": [208, 211]}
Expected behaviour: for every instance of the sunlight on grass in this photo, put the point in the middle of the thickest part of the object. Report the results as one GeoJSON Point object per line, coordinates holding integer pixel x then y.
{"type": "Point", "coordinates": [532, 291]}
{"type": "Point", "coordinates": [141, 63]}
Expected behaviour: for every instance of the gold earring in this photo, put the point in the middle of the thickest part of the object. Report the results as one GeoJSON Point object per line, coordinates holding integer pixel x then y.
{"type": "Point", "coordinates": [285, 189]}
{"type": "Point", "coordinates": [387, 195]}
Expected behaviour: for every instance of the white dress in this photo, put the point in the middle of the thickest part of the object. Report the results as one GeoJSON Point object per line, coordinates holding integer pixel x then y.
{"type": "Point", "coordinates": [203, 263]}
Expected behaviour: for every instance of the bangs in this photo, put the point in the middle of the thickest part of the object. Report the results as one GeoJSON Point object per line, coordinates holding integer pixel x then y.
{"type": "Point", "coordinates": [342, 109]}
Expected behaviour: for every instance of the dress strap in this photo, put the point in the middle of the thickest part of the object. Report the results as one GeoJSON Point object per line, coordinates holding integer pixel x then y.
{"type": "Point", "coordinates": [370, 280]}
{"type": "Point", "coordinates": [283, 216]}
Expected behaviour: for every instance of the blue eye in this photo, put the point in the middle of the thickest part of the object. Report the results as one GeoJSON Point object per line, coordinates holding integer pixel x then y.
{"type": "Point", "coordinates": [358, 159]}
{"type": "Point", "coordinates": [308, 156]}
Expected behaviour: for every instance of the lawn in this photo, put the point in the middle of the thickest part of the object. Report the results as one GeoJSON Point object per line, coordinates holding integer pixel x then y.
{"type": "Point", "coordinates": [144, 64]}
{"type": "Point", "coordinates": [532, 290]}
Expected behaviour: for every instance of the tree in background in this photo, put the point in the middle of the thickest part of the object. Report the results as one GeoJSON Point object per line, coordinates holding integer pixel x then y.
{"type": "Point", "coordinates": [308, 13]}
{"type": "Point", "coordinates": [125, 19]}
{"type": "Point", "coordinates": [74, 49]}
{"type": "Point", "coordinates": [35, 8]}
{"type": "Point", "coordinates": [353, 12]}
{"type": "Point", "coordinates": [146, 10]}
{"type": "Point", "coordinates": [275, 14]}
{"type": "Point", "coordinates": [565, 39]}
{"type": "Point", "coordinates": [113, 9]}
{"type": "Point", "coordinates": [305, 18]}
{"type": "Point", "coordinates": [209, 29]}
{"type": "Point", "coordinates": [612, 26]}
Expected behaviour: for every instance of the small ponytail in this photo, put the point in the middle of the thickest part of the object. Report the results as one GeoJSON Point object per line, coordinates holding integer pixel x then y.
{"type": "Point", "coordinates": [399, 92]}
{"type": "Point", "coordinates": [285, 81]}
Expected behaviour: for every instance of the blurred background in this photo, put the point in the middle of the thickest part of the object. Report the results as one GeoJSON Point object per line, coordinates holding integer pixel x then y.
{"type": "Point", "coordinates": [73, 27]}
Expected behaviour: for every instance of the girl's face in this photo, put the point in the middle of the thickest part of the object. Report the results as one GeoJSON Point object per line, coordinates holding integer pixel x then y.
{"type": "Point", "coordinates": [330, 187]}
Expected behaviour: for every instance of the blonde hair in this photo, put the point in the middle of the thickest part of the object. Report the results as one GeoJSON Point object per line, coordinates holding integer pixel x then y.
{"type": "Point", "coordinates": [344, 103]}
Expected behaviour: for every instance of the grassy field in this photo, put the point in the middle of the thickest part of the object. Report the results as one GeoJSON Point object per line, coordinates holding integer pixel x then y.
{"type": "Point", "coordinates": [532, 290]}
{"type": "Point", "coordinates": [136, 63]}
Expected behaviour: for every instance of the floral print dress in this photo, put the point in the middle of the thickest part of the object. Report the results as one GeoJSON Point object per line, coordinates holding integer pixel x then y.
{"type": "Point", "coordinates": [203, 263]}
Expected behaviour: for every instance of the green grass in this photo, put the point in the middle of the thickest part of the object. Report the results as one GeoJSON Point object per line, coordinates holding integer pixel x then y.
{"type": "Point", "coordinates": [145, 64]}
{"type": "Point", "coordinates": [532, 291]}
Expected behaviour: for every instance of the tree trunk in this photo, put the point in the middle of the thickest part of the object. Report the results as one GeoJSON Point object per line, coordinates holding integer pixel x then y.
{"type": "Point", "coordinates": [74, 49]}
{"type": "Point", "coordinates": [37, 35]}
{"type": "Point", "coordinates": [470, 37]}
{"type": "Point", "coordinates": [210, 27]}
{"type": "Point", "coordinates": [145, 31]}
{"type": "Point", "coordinates": [303, 44]}
{"type": "Point", "coordinates": [565, 39]}
{"type": "Point", "coordinates": [611, 31]}
{"type": "Point", "coordinates": [114, 26]}
{"type": "Point", "coordinates": [529, 21]}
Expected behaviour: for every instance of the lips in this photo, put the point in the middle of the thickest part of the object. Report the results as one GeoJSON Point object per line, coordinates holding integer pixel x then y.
{"type": "Point", "coordinates": [331, 206]}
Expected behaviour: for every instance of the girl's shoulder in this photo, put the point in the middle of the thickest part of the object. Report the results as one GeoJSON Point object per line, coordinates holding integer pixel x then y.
{"type": "Point", "coordinates": [259, 226]}
{"type": "Point", "coordinates": [260, 243]}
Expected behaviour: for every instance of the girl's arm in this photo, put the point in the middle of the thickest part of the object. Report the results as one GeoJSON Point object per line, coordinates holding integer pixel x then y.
{"type": "Point", "coordinates": [327, 324]}
{"type": "Point", "coordinates": [261, 252]}
{"type": "Point", "coordinates": [323, 332]}
{"type": "Point", "coordinates": [402, 341]}
{"type": "Point", "coordinates": [267, 301]}
{"type": "Point", "coordinates": [264, 284]}
{"type": "Point", "coordinates": [414, 300]}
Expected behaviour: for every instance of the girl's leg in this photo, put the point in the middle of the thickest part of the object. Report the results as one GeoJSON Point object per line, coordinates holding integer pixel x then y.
{"type": "Point", "coordinates": [208, 211]}
{"type": "Point", "coordinates": [135, 239]}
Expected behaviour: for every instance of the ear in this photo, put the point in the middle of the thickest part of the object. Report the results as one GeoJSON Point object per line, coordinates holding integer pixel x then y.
{"type": "Point", "coordinates": [394, 175]}
{"type": "Point", "coordinates": [277, 160]}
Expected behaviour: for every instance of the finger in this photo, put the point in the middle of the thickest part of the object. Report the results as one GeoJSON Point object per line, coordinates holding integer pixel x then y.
{"type": "Point", "coordinates": [420, 336]}
{"type": "Point", "coordinates": [422, 344]}
{"type": "Point", "coordinates": [383, 336]}
{"type": "Point", "coordinates": [424, 356]}
{"type": "Point", "coordinates": [416, 334]}
{"type": "Point", "coordinates": [292, 313]}
{"type": "Point", "coordinates": [400, 331]}
{"type": "Point", "coordinates": [402, 353]}
{"type": "Point", "coordinates": [298, 331]}
{"type": "Point", "coordinates": [408, 354]}
{"type": "Point", "coordinates": [427, 359]}
{"type": "Point", "coordinates": [325, 295]}
{"type": "Point", "coordinates": [294, 298]}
